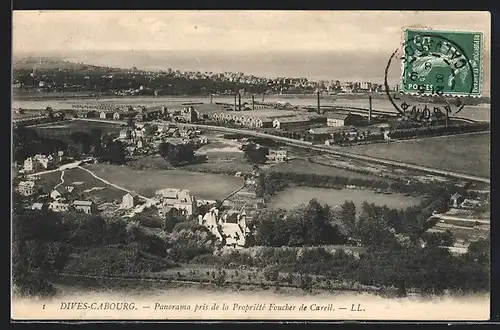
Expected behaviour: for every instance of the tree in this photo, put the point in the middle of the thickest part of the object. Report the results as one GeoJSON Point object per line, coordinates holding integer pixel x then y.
{"type": "Point", "coordinates": [114, 152]}
{"type": "Point", "coordinates": [81, 140]}
{"type": "Point", "coordinates": [38, 251]}
{"type": "Point", "coordinates": [177, 154]}
{"type": "Point", "coordinates": [255, 153]}
{"type": "Point", "coordinates": [348, 216]}
{"type": "Point", "coordinates": [172, 218]}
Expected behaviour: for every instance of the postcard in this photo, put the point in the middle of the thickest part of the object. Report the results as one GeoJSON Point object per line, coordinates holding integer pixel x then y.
{"type": "Point", "coordinates": [250, 165]}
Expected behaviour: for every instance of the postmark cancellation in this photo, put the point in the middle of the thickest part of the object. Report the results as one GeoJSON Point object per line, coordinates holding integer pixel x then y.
{"type": "Point", "coordinates": [443, 63]}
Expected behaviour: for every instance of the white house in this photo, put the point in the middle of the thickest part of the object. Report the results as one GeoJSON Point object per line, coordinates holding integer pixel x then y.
{"type": "Point", "coordinates": [58, 206]}
{"type": "Point", "coordinates": [229, 226]}
{"type": "Point", "coordinates": [128, 201]}
{"type": "Point", "coordinates": [58, 193]}
{"type": "Point", "coordinates": [26, 188]}
{"type": "Point", "coordinates": [180, 199]}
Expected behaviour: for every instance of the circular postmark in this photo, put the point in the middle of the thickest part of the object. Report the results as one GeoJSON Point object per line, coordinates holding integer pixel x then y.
{"type": "Point", "coordinates": [434, 66]}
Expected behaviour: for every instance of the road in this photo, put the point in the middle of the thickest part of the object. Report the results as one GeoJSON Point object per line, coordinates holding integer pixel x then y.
{"type": "Point", "coordinates": [447, 217]}
{"type": "Point", "coordinates": [60, 168]}
{"type": "Point", "coordinates": [326, 149]}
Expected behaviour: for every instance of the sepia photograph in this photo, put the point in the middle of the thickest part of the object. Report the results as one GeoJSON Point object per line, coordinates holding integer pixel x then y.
{"type": "Point", "coordinates": [250, 165]}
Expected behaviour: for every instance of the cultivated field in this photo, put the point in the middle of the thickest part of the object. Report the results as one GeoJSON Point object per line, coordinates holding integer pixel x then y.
{"type": "Point", "coordinates": [303, 166]}
{"type": "Point", "coordinates": [291, 197]}
{"type": "Point", "coordinates": [464, 153]}
{"type": "Point", "coordinates": [146, 182]}
{"type": "Point", "coordinates": [85, 185]}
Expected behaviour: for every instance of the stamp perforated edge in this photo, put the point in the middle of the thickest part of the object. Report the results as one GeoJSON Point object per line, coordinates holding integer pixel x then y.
{"type": "Point", "coordinates": [479, 94]}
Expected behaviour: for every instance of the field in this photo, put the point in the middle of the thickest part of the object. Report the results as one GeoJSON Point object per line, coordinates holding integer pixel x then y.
{"type": "Point", "coordinates": [83, 183]}
{"type": "Point", "coordinates": [146, 182]}
{"type": "Point", "coordinates": [292, 197]}
{"type": "Point", "coordinates": [464, 153]}
{"type": "Point", "coordinates": [65, 129]}
{"type": "Point", "coordinates": [303, 166]}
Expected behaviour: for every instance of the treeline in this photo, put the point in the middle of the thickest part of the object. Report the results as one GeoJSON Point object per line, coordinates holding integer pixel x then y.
{"type": "Point", "coordinates": [268, 184]}
{"type": "Point", "coordinates": [27, 142]}
{"type": "Point", "coordinates": [428, 270]}
{"type": "Point", "coordinates": [46, 243]}
{"type": "Point", "coordinates": [399, 252]}
{"type": "Point", "coordinates": [316, 224]}
{"type": "Point", "coordinates": [164, 84]}
{"type": "Point", "coordinates": [439, 130]}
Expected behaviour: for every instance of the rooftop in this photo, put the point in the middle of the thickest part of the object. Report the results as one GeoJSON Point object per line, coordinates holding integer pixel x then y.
{"type": "Point", "coordinates": [331, 130]}
{"type": "Point", "coordinates": [339, 116]}
{"type": "Point", "coordinates": [296, 119]}
{"type": "Point", "coordinates": [83, 203]}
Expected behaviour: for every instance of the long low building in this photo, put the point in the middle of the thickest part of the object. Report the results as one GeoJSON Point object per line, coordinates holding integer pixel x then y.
{"type": "Point", "coordinates": [262, 118]}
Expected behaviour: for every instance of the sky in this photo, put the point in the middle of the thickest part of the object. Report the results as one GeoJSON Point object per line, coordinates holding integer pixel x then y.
{"type": "Point", "coordinates": [244, 37]}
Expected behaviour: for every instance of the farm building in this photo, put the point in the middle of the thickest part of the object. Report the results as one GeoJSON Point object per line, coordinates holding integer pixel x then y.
{"type": "Point", "coordinates": [278, 156]}
{"type": "Point", "coordinates": [291, 123]}
{"type": "Point", "coordinates": [337, 119]}
{"type": "Point", "coordinates": [85, 206]}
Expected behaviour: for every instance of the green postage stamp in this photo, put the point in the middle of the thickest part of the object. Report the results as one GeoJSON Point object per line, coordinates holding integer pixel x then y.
{"type": "Point", "coordinates": [444, 63]}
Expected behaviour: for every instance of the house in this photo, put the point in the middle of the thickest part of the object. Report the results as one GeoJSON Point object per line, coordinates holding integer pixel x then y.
{"type": "Point", "coordinates": [290, 123]}
{"type": "Point", "coordinates": [180, 199]}
{"type": "Point", "coordinates": [141, 143]}
{"type": "Point", "coordinates": [32, 165]}
{"type": "Point", "coordinates": [26, 188]}
{"type": "Point", "coordinates": [125, 133]}
{"type": "Point", "coordinates": [106, 115]}
{"type": "Point", "coordinates": [280, 155]}
{"type": "Point", "coordinates": [456, 199]}
{"type": "Point", "coordinates": [37, 206]}
{"type": "Point", "coordinates": [58, 193]}
{"type": "Point", "coordinates": [58, 206]}
{"type": "Point", "coordinates": [47, 162]}
{"type": "Point", "coordinates": [337, 119]}
{"type": "Point", "coordinates": [70, 189]}
{"type": "Point", "coordinates": [118, 115]}
{"type": "Point", "coordinates": [85, 206]}
{"type": "Point", "coordinates": [229, 227]}
{"type": "Point", "coordinates": [129, 200]}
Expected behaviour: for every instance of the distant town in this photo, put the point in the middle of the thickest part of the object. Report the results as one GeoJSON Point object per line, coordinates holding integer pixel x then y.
{"type": "Point", "coordinates": [32, 74]}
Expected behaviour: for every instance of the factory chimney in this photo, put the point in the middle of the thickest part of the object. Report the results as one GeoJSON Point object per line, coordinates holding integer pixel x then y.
{"type": "Point", "coordinates": [370, 109]}
{"type": "Point", "coordinates": [211, 97]}
{"type": "Point", "coordinates": [262, 97]}
{"type": "Point", "coordinates": [319, 107]}
{"type": "Point", "coordinates": [239, 101]}
{"type": "Point", "coordinates": [253, 102]}
{"type": "Point", "coordinates": [235, 102]}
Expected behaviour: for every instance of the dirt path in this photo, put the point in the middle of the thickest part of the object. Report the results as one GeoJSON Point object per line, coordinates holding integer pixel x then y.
{"type": "Point", "coordinates": [62, 181]}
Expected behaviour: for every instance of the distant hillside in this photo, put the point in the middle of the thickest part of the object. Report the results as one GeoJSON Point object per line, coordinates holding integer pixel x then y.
{"type": "Point", "coordinates": [47, 63]}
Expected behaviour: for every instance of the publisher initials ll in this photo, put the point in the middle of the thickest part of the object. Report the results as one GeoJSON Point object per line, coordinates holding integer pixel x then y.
{"type": "Point", "coordinates": [355, 308]}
